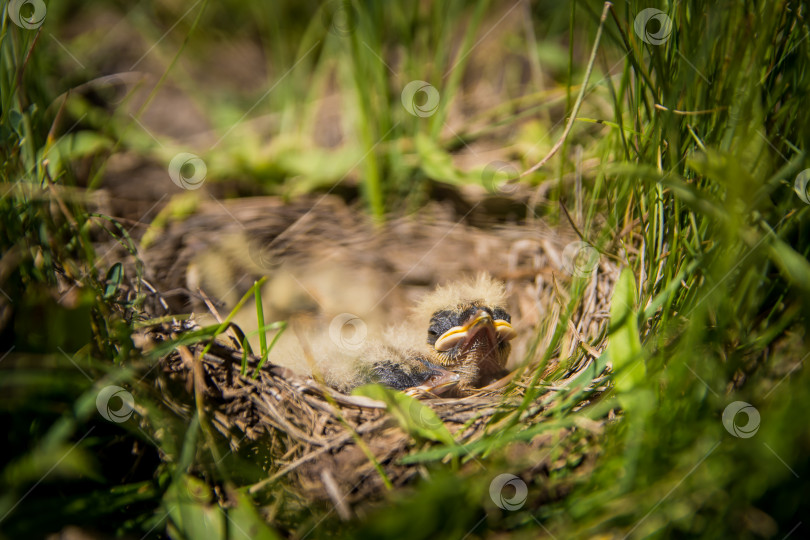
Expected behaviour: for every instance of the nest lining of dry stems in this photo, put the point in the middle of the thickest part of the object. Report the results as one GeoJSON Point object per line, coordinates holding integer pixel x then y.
{"type": "Point", "coordinates": [310, 431]}
{"type": "Point", "coordinates": [317, 441]}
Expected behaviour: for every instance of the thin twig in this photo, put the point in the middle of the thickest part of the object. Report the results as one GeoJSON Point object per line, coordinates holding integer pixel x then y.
{"type": "Point", "coordinates": [581, 96]}
{"type": "Point", "coordinates": [331, 488]}
{"type": "Point", "coordinates": [24, 65]}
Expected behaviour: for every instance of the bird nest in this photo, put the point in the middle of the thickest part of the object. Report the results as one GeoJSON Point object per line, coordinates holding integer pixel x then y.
{"type": "Point", "coordinates": [324, 445]}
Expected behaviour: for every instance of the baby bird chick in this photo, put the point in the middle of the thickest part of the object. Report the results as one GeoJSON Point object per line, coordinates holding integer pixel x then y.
{"type": "Point", "coordinates": [456, 340]}
{"type": "Point", "coordinates": [467, 345]}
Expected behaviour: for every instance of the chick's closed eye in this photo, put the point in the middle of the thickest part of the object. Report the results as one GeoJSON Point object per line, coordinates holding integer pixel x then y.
{"type": "Point", "coordinates": [469, 330]}
{"type": "Point", "coordinates": [452, 327]}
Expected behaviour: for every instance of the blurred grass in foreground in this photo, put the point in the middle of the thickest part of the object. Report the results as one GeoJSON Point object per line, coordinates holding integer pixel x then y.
{"type": "Point", "coordinates": [703, 140]}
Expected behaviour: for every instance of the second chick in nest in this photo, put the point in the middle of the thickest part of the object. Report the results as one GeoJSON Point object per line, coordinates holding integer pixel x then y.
{"type": "Point", "coordinates": [456, 340]}
{"type": "Point", "coordinates": [467, 346]}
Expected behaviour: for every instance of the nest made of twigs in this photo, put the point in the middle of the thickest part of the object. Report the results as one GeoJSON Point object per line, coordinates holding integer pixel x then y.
{"type": "Point", "coordinates": [317, 439]}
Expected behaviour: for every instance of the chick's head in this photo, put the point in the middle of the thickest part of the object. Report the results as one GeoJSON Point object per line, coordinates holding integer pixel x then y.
{"type": "Point", "coordinates": [469, 329]}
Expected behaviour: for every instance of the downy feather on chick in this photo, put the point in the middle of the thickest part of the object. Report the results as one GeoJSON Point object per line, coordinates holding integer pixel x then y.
{"type": "Point", "coordinates": [455, 340]}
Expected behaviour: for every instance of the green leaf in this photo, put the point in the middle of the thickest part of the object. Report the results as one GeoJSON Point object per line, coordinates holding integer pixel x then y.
{"type": "Point", "coordinates": [113, 280]}
{"type": "Point", "coordinates": [16, 119]}
{"type": "Point", "coordinates": [71, 147]}
{"type": "Point", "coordinates": [60, 461]}
{"type": "Point", "coordinates": [413, 416]}
{"type": "Point", "coordinates": [194, 513]}
{"type": "Point", "coordinates": [186, 338]}
{"type": "Point", "coordinates": [793, 266]}
{"type": "Point", "coordinates": [191, 510]}
{"type": "Point", "coordinates": [624, 347]}
{"type": "Point", "coordinates": [701, 201]}
{"type": "Point", "coordinates": [245, 522]}
{"type": "Point", "coordinates": [178, 208]}
{"type": "Point", "coordinates": [279, 326]}
{"type": "Point", "coordinates": [436, 163]}
{"type": "Point", "coordinates": [722, 166]}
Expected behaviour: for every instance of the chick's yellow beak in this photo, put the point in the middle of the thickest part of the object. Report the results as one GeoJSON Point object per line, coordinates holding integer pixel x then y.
{"type": "Point", "coordinates": [504, 330]}
{"type": "Point", "coordinates": [481, 321]}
